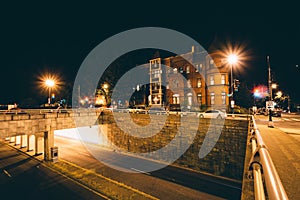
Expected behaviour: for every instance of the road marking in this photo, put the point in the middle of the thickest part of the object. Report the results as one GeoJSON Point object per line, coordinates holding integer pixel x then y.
{"type": "Point", "coordinates": [140, 171]}
{"type": "Point", "coordinates": [285, 119]}
{"type": "Point", "coordinates": [297, 120]}
{"type": "Point", "coordinates": [85, 154]}
{"type": "Point", "coordinates": [6, 172]}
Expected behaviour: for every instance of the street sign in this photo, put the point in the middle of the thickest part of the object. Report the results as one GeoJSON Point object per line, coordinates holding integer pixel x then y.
{"type": "Point", "coordinates": [270, 105]}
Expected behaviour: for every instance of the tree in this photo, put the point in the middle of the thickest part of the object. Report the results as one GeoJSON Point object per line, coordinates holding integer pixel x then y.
{"type": "Point", "coordinates": [243, 96]}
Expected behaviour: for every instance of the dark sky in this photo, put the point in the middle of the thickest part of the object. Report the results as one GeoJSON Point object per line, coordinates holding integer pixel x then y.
{"type": "Point", "coordinates": [57, 38]}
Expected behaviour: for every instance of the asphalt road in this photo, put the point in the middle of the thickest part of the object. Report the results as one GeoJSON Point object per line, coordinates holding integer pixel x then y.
{"type": "Point", "coordinates": [283, 144]}
{"type": "Point", "coordinates": [288, 123]}
{"type": "Point", "coordinates": [167, 183]}
{"type": "Point", "coordinates": [22, 177]}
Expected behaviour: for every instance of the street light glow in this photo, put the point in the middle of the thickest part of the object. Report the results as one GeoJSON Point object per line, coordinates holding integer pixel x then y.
{"type": "Point", "coordinates": [274, 86]}
{"type": "Point", "coordinates": [49, 83]}
{"type": "Point", "coordinates": [232, 59]}
{"type": "Point", "coordinates": [105, 86]}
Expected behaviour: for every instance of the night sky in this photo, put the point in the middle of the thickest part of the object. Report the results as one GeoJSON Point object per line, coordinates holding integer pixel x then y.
{"type": "Point", "coordinates": [57, 38]}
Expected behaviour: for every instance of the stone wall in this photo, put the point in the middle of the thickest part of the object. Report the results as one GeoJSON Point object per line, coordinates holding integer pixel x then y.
{"type": "Point", "coordinates": [225, 159]}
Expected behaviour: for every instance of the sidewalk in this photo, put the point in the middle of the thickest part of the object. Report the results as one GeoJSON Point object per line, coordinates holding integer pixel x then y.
{"type": "Point", "coordinates": [105, 187]}
{"type": "Point", "coordinates": [285, 154]}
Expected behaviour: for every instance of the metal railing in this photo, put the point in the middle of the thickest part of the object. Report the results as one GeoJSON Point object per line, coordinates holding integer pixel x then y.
{"type": "Point", "coordinates": [263, 170]}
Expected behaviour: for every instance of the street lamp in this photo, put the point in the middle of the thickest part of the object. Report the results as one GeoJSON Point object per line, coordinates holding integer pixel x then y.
{"type": "Point", "coordinates": [105, 88]}
{"type": "Point", "coordinates": [232, 59]}
{"type": "Point", "coordinates": [50, 83]}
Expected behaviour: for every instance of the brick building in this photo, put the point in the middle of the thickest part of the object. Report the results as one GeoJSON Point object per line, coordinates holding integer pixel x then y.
{"type": "Point", "coordinates": [191, 81]}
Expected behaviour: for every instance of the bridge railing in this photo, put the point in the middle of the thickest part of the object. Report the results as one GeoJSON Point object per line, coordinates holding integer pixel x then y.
{"type": "Point", "coordinates": [263, 170]}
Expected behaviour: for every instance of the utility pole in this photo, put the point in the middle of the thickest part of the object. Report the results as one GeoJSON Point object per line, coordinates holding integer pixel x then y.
{"type": "Point", "coordinates": [271, 124]}
{"type": "Point", "coordinates": [270, 81]}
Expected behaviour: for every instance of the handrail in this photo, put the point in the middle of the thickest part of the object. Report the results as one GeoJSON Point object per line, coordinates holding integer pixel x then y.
{"type": "Point", "coordinates": [261, 162]}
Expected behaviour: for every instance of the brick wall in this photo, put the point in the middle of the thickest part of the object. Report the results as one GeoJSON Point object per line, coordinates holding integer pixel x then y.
{"type": "Point", "coordinates": [225, 159]}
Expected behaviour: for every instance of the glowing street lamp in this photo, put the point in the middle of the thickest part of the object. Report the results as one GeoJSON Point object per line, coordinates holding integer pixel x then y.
{"type": "Point", "coordinates": [50, 83]}
{"type": "Point", "coordinates": [274, 85]}
{"type": "Point", "coordinates": [232, 59]}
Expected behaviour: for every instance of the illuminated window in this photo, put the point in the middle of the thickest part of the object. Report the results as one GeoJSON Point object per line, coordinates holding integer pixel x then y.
{"type": "Point", "coordinates": [200, 67]}
{"type": "Point", "coordinates": [187, 69]}
{"type": "Point", "coordinates": [212, 80]}
{"type": "Point", "coordinates": [176, 99]}
{"type": "Point", "coordinates": [188, 83]}
{"type": "Point", "coordinates": [223, 79]}
{"type": "Point", "coordinates": [223, 98]}
{"type": "Point", "coordinates": [199, 98]}
{"type": "Point", "coordinates": [212, 98]}
{"type": "Point", "coordinates": [199, 84]}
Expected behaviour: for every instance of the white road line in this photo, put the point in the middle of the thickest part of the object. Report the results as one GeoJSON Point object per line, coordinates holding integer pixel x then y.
{"type": "Point", "coordinates": [297, 120]}
{"type": "Point", "coordinates": [140, 171]}
{"type": "Point", "coordinates": [285, 119]}
{"type": "Point", "coordinates": [6, 172]}
{"type": "Point", "coordinates": [85, 154]}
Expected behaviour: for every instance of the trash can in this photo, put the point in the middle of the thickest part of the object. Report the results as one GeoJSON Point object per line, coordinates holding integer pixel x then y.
{"type": "Point", "coordinates": [54, 154]}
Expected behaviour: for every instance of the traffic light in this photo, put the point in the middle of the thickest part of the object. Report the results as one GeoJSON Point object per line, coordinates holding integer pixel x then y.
{"type": "Point", "coordinates": [236, 85]}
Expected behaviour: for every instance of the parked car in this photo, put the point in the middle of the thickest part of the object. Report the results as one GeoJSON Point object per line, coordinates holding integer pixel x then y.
{"type": "Point", "coordinates": [157, 111]}
{"type": "Point", "coordinates": [138, 110]}
{"type": "Point", "coordinates": [213, 114]}
{"type": "Point", "coordinates": [276, 113]}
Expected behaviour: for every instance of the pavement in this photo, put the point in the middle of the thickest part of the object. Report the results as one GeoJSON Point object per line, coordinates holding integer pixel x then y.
{"type": "Point", "coordinates": [284, 150]}
{"type": "Point", "coordinates": [24, 177]}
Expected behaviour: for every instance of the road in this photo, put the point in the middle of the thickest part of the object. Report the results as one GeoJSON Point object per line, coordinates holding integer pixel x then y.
{"type": "Point", "coordinates": [288, 123]}
{"type": "Point", "coordinates": [22, 177]}
{"type": "Point", "coordinates": [167, 183]}
{"type": "Point", "coordinates": [283, 145]}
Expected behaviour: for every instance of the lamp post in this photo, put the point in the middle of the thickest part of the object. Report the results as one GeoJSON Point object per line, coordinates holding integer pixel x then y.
{"type": "Point", "coordinates": [232, 59]}
{"type": "Point", "coordinates": [49, 83]}
{"type": "Point", "coordinates": [270, 124]}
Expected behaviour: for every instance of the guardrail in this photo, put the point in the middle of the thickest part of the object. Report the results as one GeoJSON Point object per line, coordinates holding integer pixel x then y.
{"type": "Point", "coordinates": [263, 169]}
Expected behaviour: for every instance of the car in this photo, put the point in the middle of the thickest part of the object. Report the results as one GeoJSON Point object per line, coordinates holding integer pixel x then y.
{"type": "Point", "coordinates": [213, 114]}
{"type": "Point", "coordinates": [276, 113]}
{"type": "Point", "coordinates": [157, 111]}
{"type": "Point", "coordinates": [138, 110]}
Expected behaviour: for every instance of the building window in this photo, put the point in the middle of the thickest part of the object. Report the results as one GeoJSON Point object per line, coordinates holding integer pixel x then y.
{"type": "Point", "coordinates": [190, 100]}
{"type": "Point", "coordinates": [187, 69]}
{"type": "Point", "coordinates": [223, 98]}
{"type": "Point", "coordinates": [188, 83]}
{"type": "Point", "coordinates": [212, 80]}
{"type": "Point", "coordinates": [175, 70]}
{"type": "Point", "coordinates": [199, 84]}
{"type": "Point", "coordinates": [199, 99]}
{"type": "Point", "coordinates": [181, 70]}
{"type": "Point", "coordinates": [197, 68]}
{"type": "Point", "coordinates": [212, 98]}
{"type": "Point", "coordinates": [176, 99]}
{"type": "Point", "coordinates": [223, 79]}
{"type": "Point", "coordinates": [200, 67]}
